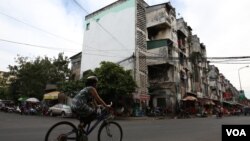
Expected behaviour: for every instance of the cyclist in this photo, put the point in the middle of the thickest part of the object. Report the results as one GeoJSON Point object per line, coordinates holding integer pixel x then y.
{"type": "Point", "coordinates": [85, 103]}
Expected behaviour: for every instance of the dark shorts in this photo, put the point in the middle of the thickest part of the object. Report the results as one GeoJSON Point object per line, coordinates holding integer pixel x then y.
{"type": "Point", "coordinates": [88, 119]}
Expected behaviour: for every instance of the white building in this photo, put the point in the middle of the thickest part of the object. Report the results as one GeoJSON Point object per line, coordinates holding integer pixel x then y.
{"type": "Point", "coordinates": [117, 33]}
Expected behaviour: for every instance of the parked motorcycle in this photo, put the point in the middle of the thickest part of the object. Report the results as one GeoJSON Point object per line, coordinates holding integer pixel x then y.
{"type": "Point", "coordinates": [219, 114]}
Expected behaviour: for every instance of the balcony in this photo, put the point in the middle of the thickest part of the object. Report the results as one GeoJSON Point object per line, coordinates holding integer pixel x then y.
{"type": "Point", "coordinates": [158, 18]}
{"type": "Point", "coordinates": [159, 52]}
{"type": "Point", "coordinates": [196, 46]}
{"type": "Point", "coordinates": [159, 43]}
{"type": "Point", "coordinates": [181, 29]}
{"type": "Point", "coordinates": [159, 78]}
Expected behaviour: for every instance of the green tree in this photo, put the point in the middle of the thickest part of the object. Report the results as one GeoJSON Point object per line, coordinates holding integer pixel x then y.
{"type": "Point", "coordinates": [33, 75]}
{"type": "Point", "coordinates": [115, 84]}
{"type": "Point", "coordinates": [72, 87]}
{"type": "Point", "coordinates": [86, 74]}
{"type": "Point", "coordinates": [4, 87]}
{"type": "Point", "coordinates": [59, 70]}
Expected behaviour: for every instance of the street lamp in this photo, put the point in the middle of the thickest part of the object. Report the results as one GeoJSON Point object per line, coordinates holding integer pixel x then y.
{"type": "Point", "coordinates": [239, 75]}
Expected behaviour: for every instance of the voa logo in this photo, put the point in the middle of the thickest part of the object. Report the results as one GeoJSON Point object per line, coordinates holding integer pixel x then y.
{"type": "Point", "coordinates": [236, 132]}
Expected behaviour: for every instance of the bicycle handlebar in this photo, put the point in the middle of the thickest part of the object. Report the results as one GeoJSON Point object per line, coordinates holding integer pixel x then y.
{"type": "Point", "coordinates": [101, 106]}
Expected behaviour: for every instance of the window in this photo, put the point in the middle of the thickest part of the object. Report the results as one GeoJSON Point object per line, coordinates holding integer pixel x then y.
{"type": "Point", "coordinates": [170, 51]}
{"type": "Point", "coordinates": [87, 26]}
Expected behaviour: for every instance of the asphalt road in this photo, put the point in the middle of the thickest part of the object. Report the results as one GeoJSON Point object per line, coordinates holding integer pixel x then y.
{"type": "Point", "coordinates": [14, 127]}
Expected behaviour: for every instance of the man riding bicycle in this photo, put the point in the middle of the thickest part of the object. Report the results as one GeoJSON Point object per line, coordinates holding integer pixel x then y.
{"type": "Point", "coordinates": [85, 103]}
{"type": "Point", "coordinates": [84, 106]}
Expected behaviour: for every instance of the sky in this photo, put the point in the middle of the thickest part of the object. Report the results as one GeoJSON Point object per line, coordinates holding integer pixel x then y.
{"type": "Point", "coordinates": [32, 28]}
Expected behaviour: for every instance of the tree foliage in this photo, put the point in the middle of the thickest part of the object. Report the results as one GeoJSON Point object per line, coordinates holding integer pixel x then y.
{"type": "Point", "coordinates": [31, 76]}
{"type": "Point", "coordinates": [72, 87]}
{"type": "Point", "coordinates": [115, 84]}
{"type": "Point", "coordinates": [114, 81]}
{"type": "Point", "coordinates": [4, 88]}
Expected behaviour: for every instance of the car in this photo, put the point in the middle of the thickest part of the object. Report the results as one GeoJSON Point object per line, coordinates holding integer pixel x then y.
{"type": "Point", "coordinates": [7, 106]}
{"type": "Point", "coordinates": [62, 110]}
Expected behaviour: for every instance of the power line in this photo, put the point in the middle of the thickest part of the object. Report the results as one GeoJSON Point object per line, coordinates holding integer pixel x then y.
{"type": "Point", "coordinates": [206, 58]}
{"type": "Point", "coordinates": [104, 55]}
{"type": "Point", "coordinates": [235, 57]}
{"type": "Point", "coordinates": [147, 57]}
{"type": "Point", "coordinates": [110, 34]}
{"type": "Point", "coordinates": [229, 60]}
{"type": "Point", "coordinates": [220, 60]}
{"type": "Point", "coordinates": [58, 36]}
{"type": "Point", "coordinates": [33, 45]}
{"type": "Point", "coordinates": [229, 63]}
{"type": "Point", "coordinates": [81, 7]}
{"type": "Point", "coordinates": [104, 50]}
{"type": "Point", "coordinates": [54, 48]}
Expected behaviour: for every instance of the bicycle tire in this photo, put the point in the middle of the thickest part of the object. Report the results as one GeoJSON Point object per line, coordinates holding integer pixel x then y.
{"type": "Point", "coordinates": [114, 129]}
{"type": "Point", "coordinates": [62, 131]}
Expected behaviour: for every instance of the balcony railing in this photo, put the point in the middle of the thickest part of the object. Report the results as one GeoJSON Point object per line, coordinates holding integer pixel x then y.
{"type": "Point", "coordinates": [159, 43]}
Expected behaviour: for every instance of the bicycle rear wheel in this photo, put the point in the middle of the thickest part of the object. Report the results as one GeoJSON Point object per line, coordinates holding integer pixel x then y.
{"type": "Point", "coordinates": [110, 131]}
{"type": "Point", "coordinates": [62, 131]}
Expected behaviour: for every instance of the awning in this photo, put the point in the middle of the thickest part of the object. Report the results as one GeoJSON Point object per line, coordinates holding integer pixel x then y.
{"type": "Point", "coordinates": [239, 104]}
{"type": "Point", "coordinates": [191, 94]}
{"type": "Point", "coordinates": [228, 102]}
{"type": "Point", "coordinates": [22, 98]}
{"type": "Point", "coordinates": [206, 101]}
{"type": "Point", "coordinates": [189, 98]}
{"type": "Point", "coordinates": [51, 95]}
{"type": "Point", "coordinates": [209, 102]}
{"type": "Point", "coordinates": [32, 100]}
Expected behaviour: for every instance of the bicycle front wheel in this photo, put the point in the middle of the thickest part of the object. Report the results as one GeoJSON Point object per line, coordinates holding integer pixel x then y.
{"type": "Point", "coordinates": [62, 131]}
{"type": "Point", "coordinates": [110, 131]}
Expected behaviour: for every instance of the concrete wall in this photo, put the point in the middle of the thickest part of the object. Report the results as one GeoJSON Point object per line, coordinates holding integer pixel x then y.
{"type": "Point", "coordinates": [115, 33]}
{"type": "Point", "coordinates": [109, 35]}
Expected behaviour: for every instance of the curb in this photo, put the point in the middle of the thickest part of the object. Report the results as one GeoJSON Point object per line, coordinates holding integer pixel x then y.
{"type": "Point", "coordinates": [141, 118]}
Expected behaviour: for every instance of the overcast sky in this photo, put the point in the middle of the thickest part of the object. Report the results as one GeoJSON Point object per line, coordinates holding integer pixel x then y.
{"type": "Point", "coordinates": [47, 27]}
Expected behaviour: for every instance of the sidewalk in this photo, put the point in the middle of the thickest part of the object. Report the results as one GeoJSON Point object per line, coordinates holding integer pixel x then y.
{"type": "Point", "coordinates": [158, 118]}
{"type": "Point", "coordinates": [143, 118]}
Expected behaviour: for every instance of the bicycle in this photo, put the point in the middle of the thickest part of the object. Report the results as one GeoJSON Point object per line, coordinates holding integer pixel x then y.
{"type": "Point", "coordinates": [109, 129]}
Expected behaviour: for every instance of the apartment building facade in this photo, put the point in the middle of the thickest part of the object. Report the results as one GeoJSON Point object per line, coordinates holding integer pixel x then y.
{"type": "Point", "coordinates": [163, 54]}
{"type": "Point", "coordinates": [184, 32]}
{"type": "Point", "coordinates": [75, 61]}
{"type": "Point", "coordinates": [222, 91]}
{"type": "Point", "coordinates": [167, 61]}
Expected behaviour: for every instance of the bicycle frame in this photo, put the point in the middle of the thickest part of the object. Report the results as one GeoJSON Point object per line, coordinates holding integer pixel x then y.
{"type": "Point", "coordinates": [81, 132]}
{"type": "Point", "coordinates": [100, 118]}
